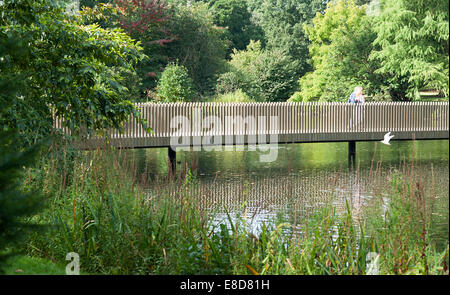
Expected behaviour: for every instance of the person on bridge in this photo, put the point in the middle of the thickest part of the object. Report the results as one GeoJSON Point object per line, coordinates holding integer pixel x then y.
{"type": "Point", "coordinates": [357, 97]}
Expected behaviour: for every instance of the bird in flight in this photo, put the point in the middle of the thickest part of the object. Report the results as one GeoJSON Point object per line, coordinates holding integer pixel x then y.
{"type": "Point", "coordinates": [387, 138]}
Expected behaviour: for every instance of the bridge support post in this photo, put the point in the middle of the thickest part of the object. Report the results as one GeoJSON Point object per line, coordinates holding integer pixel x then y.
{"type": "Point", "coordinates": [172, 153]}
{"type": "Point", "coordinates": [351, 153]}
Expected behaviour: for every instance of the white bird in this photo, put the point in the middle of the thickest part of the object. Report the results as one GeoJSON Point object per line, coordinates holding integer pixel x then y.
{"type": "Point", "coordinates": [387, 138]}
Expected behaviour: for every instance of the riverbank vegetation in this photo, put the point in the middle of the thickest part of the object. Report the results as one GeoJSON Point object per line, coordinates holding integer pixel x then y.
{"type": "Point", "coordinates": [98, 207]}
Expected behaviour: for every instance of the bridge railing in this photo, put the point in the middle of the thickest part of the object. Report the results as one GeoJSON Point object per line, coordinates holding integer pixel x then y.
{"type": "Point", "coordinates": [200, 119]}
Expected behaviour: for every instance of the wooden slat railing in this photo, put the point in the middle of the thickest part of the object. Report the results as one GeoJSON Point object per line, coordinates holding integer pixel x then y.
{"type": "Point", "coordinates": [291, 122]}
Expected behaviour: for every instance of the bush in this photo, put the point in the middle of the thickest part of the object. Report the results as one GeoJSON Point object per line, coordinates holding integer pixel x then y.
{"type": "Point", "coordinates": [175, 84]}
{"type": "Point", "coordinates": [235, 96]}
{"type": "Point", "coordinates": [264, 75]}
{"type": "Point", "coordinates": [278, 76]}
{"type": "Point", "coordinates": [230, 82]}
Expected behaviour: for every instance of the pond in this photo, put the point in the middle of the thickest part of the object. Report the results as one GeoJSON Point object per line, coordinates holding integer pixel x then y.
{"type": "Point", "coordinates": [304, 177]}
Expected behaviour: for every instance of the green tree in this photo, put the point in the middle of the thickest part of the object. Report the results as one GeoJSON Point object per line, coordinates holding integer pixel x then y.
{"type": "Point", "coordinates": [412, 46]}
{"type": "Point", "coordinates": [175, 84]}
{"type": "Point", "coordinates": [15, 205]}
{"type": "Point", "coordinates": [282, 23]}
{"type": "Point", "coordinates": [199, 45]}
{"type": "Point", "coordinates": [169, 31]}
{"type": "Point", "coordinates": [73, 69]}
{"type": "Point", "coordinates": [147, 21]}
{"type": "Point", "coordinates": [341, 42]}
{"type": "Point", "coordinates": [264, 75]}
{"type": "Point", "coordinates": [235, 16]}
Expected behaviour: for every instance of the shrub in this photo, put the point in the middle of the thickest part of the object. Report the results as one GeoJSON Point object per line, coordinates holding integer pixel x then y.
{"type": "Point", "coordinates": [264, 75]}
{"type": "Point", "coordinates": [175, 84]}
{"type": "Point", "coordinates": [230, 82]}
{"type": "Point", "coordinates": [235, 96]}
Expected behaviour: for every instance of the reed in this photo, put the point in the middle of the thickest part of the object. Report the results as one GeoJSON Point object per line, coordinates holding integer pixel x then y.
{"type": "Point", "coordinates": [100, 209]}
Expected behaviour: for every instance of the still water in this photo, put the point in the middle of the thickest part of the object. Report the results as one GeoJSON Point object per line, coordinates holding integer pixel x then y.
{"type": "Point", "coordinates": [304, 177]}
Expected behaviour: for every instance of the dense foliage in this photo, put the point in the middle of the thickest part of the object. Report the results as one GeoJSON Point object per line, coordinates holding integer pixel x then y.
{"type": "Point", "coordinates": [175, 85]}
{"type": "Point", "coordinates": [282, 23]}
{"type": "Point", "coordinates": [172, 32]}
{"type": "Point", "coordinates": [73, 69]}
{"type": "Point", "coordinates": [329, 47]}
{"type": "Point", "coordinates": [15, 204]}
{"type": "Point", "coordinates": [393, 51]}
{"type": "Point", "coordinates": [148, 22]}
{"type": "Point", "coordinates": [412, 46]}
{"type": "Point", "coordinates": [200, 46]}
{"type": "Point", "coordinates": [341, 42]}
{"type": "Point", "coordinates": [236, 17]}
{"type": "Point", "coordinates": [264, 75]}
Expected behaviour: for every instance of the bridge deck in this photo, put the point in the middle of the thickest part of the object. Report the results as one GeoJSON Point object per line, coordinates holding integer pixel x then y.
{"type": "Point", "coordinates": [181, 124]}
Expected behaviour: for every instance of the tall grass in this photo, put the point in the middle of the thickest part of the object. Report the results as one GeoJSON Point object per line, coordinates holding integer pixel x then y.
{"type": "Point", "coordinates": [99, 209]}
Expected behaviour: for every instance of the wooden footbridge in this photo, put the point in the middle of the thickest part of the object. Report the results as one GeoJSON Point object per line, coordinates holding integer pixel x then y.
{"type": "Point", "coordinates": [178, 125]}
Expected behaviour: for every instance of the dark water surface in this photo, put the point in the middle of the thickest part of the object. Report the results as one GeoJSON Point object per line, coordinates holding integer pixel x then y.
{"type": "Point", "coordinates": [305, 176]}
